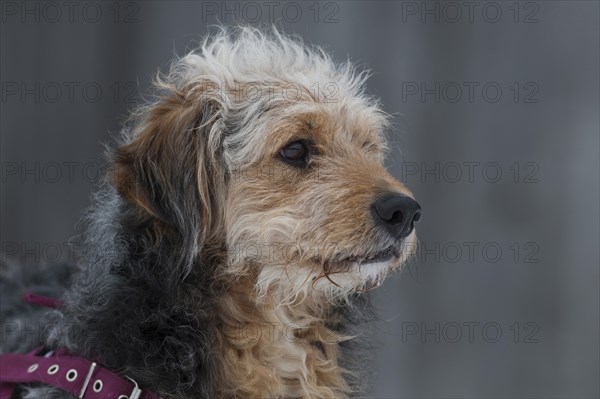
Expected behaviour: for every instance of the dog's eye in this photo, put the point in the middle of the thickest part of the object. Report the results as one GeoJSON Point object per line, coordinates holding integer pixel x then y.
{"type": "Point", "coordinates": [296, 153]}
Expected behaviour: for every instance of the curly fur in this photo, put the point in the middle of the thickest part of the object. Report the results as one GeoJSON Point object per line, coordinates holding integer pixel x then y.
{"type": "Point", "coordinates": [168, 293]}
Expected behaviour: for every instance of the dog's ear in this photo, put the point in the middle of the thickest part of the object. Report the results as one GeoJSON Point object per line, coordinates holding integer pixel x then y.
{"type": "Point", "coordinates": [169, 168]}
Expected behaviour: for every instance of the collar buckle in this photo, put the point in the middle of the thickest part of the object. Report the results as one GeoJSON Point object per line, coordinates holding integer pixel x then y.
{"type": "Point", "coordinates": [135, 393]}
{"type": "Point", "coordinates": [88, 377]}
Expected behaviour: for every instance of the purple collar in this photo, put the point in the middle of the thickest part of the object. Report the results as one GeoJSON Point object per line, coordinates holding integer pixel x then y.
{"type": "Point", "coordinates": [78, 376]}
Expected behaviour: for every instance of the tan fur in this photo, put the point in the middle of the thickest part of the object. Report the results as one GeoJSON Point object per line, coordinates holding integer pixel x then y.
{"type": "Point", "coordinates": [267, 354]}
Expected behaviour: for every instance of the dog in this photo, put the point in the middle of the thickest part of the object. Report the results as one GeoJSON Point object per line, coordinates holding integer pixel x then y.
{"type": "Point", "coordinates": [244, 218]}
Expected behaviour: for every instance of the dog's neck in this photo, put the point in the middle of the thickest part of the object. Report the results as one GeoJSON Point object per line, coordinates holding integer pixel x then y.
{"type": "Point", "coordinates": [277, 349]}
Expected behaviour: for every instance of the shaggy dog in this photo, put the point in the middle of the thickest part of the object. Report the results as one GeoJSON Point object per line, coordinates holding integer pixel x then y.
{"type": "Point", "coordinates": [228, 253]}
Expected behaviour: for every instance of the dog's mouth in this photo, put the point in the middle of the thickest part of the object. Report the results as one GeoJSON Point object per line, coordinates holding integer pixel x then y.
{"type": "Point", "coordinates": [341, 262]}
{"type": "Point", "coordinates": [385, 255]}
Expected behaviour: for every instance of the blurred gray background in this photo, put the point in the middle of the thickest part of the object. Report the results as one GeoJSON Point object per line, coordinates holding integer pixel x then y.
{"type": "Point", "coordinates": [496, 110]}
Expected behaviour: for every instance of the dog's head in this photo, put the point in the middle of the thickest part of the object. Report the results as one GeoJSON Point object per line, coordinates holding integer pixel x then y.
{"type": "Point", "coordinates": [264, 151]}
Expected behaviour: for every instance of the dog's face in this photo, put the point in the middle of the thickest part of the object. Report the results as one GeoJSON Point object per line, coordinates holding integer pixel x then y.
{"type": "Point", "coordinates": [293, 187]}
{"type": "Point", "coordinates": [313, 207]}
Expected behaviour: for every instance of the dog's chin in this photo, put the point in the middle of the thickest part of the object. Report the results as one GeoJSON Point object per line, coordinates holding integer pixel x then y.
{"type": "Point", "coordinates": [373, 266]}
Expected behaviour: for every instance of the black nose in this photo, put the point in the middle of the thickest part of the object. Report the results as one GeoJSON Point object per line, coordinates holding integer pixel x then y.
{"type": "Point", "coordinates": [397, 213]}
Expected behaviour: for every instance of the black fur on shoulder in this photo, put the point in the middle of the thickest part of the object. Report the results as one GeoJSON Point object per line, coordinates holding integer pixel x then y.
{"type": "Point", "coordinates": [128, 310]}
